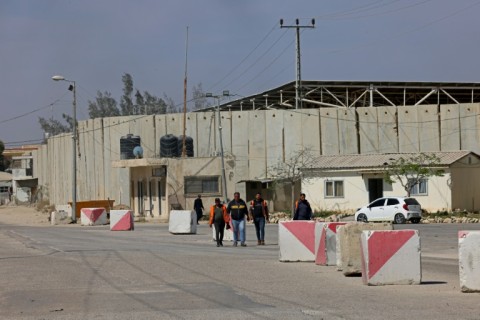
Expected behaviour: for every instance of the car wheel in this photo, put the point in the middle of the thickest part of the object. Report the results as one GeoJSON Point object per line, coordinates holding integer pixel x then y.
{"type": "Point", "coordinates": [399, 219]}
{"type": "Point", "coordinates": [416, 220]}
{"type": "Point", "coordinates": [362, 218]}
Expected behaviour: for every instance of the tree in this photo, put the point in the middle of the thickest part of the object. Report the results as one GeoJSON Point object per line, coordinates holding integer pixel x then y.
{"type": "Point", "coordinates": [410, 171]}
{"type": "Point", "coordinates": [199, 99]}
{"type": "Point", "coordinates": [103, 106]}
{"type": "Point", "coordinates": [170, 105]}
{"type": "Point", "coordinates": [290, 171]}
{"type": "Point", "coordinates": [126, 102]}
{"type": "Point", "coordinates": [54, 127]}
{"type": "Point", "coordinates": [2, 159]}
{"type": "Point", "coordinates": [149, 104]}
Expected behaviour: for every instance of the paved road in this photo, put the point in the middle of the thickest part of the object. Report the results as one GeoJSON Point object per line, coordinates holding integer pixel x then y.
{"type": "Point", "coordinates": [74, 272]}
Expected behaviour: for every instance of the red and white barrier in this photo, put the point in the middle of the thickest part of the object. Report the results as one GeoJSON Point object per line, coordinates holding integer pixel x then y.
{"type": "Point", "coordinates": [296, 240]}
{"type": "Point", "coordinates": [391, 257]}
{"type": "Point", "coordinates": [326, 243]}
{"type": "Point", "coordinates": [93, 216]}
{"type": "Point", "coordinates": [469, 260]}
{"type": "Point", "coordinates": [121, 220]}
{"type": "Point", "coordinates": [182, 222]}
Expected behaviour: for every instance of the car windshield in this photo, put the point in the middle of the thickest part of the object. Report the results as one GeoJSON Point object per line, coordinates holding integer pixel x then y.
{"type": "Point", "coordinates": [412, 201]}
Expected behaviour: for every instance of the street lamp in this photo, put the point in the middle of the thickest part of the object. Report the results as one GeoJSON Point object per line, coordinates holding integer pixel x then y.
{"type": "Point", "coordinates": [225, 93]}
{"type": "Point", "coordinates": [72, 88]}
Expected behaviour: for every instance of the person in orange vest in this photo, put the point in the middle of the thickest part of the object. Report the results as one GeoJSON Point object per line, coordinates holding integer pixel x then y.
{"type": "Point", "coordinates": [219, 217]}
{"type": "Point", "coordinates": [259, 215]}
{"type": "Point", "coordinates": [303, 211]}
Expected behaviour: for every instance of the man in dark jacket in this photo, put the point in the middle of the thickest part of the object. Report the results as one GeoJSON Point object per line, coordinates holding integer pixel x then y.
{"type": "Point", "coordinates": [237, 208]}
{"type": "Point", "coordinates": [259, 214]}
{"type": "Point", "coordinates": [198, 207]}
{"type": "Point", "coordinates": [303, 211]}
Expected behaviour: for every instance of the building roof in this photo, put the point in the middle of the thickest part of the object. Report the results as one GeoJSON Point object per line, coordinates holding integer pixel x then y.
{"type": "Point", "coordinates": [353, 94]}
{"type": "Point", "coordinates": [5, 176]}
{"type": "Point", "coordinates": [373, 161]}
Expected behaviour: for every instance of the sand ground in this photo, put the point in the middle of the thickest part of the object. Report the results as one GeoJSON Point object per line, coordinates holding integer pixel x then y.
{"type": "Point", "coordinates": [23, 215]}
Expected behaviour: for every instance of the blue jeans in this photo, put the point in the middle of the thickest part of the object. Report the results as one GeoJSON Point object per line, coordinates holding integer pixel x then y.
{"type": "Point", "coordinates": [238, 228]}
{"type": "Point", "coordinates": [259, 227]}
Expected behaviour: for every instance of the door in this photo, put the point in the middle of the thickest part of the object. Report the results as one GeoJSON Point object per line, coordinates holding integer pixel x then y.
{"type": "Point", "coordinates": [140, 197]}
{"type": "Point", "coordinates": [376, 210]}
{"type": "Point", "coordinates": [375, 189]}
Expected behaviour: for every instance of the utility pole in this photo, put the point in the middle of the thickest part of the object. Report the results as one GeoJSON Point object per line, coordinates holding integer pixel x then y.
{"type": "Point", "coordinates": [184, 147]}
{"type": "Point", "coordinates": [226, 93]}
{"type": "Point", "coordinates": [298, 80]}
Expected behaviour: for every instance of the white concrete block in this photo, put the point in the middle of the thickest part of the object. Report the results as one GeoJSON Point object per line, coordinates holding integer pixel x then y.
{"type": "Point", "coordinates": [93, 216]}
{"type": "Point", "coordinates": [296, 240]}
{"type": "Point", "coordinates": [391, 257]}
{"type": "Point", "coordinates": [326, 243]}
{"type": "Point", "coordinates": [338, 248]}
{"type": "Point", "coordinates": [227, 234]}
{"type": "Point", "coordinates": [121, 220]}
{"type": "Point", "coordinates": [469, 260]}
{"type": "Point", "coordinates": [182, 222]}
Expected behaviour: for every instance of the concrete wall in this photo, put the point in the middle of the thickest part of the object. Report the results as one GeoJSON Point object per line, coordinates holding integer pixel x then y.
{"type": "Point", "coordinates": [253, 141]}
{"type": "Point", "coordinates": [356, 194]}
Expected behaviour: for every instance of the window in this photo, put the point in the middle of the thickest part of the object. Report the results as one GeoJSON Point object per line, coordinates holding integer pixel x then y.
{"type": "Point", "coordinates": [392, 202]}
{"type": "Point", "coordinates": [377, 203]}
{"type": "Point", "coordinates": [3, 189]}
{"type": "Point", "coordinates": [420, 189]}
{"type": "Point", "coordinates": [198, 185]}
{"type": "Point", "coordinates": [334, 189]}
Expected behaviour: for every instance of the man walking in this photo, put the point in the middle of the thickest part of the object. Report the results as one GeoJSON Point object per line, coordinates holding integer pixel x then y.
{"type": "Point", "coordinates": [198, 207]}
{"type": "Point", "coordinates": [259, 214]}
{"type": "Point", "coordinates": [218, 217]}
{"type": "Point", "coordinates": [303, 211]}
{"type": "Point", "coordinates": [237, 208]}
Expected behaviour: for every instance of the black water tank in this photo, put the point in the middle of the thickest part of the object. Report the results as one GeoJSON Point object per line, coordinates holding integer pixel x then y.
{"type": "Point", "coordinates": [188, 144]}
{"type": "Point", "coordinates": [127, 144]}
{"type": "Point", "coordinates": [168, 146]}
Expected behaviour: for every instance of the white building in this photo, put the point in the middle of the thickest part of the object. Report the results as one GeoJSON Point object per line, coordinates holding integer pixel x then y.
{"type": "Point", "coordinates": [347, 182]}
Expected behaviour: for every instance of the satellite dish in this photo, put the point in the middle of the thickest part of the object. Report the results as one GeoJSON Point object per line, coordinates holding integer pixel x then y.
{"type": "Point", "coordinates": [138, 152]}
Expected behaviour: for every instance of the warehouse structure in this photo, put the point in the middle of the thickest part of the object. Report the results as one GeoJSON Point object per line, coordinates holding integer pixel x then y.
{"type": "Point", "coordinates": [338, 118]}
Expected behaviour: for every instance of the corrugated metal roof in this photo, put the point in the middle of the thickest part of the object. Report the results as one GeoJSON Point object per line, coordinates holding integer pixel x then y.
{"type": "Point", "coordinates": [359, 161]}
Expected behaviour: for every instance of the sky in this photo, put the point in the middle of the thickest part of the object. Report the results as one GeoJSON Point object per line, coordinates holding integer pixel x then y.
{"type": "Point", "coordinates": [232, 45]}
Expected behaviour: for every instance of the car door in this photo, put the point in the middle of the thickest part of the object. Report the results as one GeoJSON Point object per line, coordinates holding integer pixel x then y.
{"type": "Point", "coordinates": [392, 207]}
{"type": "Point", "coordinates": [376, 210]}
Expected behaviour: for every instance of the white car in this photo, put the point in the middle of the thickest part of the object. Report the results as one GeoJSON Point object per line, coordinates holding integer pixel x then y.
{"type": "Point", "coordinates": [396, 209]}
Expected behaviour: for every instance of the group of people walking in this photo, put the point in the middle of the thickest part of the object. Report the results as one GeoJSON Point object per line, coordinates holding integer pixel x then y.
{"type": "Point", "coordinates": [237, 212]}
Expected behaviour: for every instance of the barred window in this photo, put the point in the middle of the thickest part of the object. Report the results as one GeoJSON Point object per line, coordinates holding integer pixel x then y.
{"type": "Point", "coordinates": [199, 185]}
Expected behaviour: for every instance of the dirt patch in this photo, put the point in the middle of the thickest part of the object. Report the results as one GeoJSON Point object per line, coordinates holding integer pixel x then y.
{"type": "Point", "coordinates": [23, 215]}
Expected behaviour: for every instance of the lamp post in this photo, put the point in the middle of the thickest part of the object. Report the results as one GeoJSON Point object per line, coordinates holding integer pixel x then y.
{"type": "Point", "coordinates": [72, 88]}
{"type": "Point", "coordinates": [225, 93]}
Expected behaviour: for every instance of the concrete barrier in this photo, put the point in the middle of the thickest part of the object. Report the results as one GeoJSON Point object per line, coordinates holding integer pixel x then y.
{"type": "Point", "coordinates": [296, 240]}
{"type": "Point", "coordinates": [182, 222]}
{"type": "Point", "coordinates": [121, 220]}
{"type": "Point", "coordinates": [349, 242]}
{"type": "Point", "coordinates": [338, 250]}
{"type": "Point", "coordinates": [93, 216]}
{"type": "Point", "coordinates": [326, 243]}
{"type": "Point", "coordinates": [469, 260]}
{"type": "Point", "coordinates": [227, 233]}
{"type": "Point", "coordinates": [391, 257]}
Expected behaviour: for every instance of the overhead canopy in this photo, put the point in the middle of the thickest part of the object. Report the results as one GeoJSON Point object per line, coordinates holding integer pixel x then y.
{"type": "Point", "coordinates": [353, 94]}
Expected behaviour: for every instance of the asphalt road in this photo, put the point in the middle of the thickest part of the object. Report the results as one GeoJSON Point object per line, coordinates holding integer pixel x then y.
{"type": "Point", "coordinates": [74, 272]}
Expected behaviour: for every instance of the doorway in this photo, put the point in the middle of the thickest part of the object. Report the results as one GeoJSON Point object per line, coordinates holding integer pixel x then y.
{"type": "Point", "coordinates": [375, 189]}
